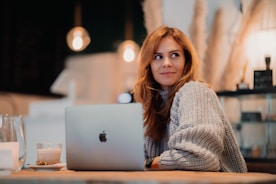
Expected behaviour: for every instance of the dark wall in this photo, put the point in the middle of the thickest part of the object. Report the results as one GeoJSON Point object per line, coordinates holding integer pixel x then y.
{"type": "Point", "coordinates": [33, 46]}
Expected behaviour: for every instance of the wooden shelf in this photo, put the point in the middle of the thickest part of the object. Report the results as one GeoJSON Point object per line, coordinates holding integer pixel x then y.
{"type": "Point", "coordinates": [251, 92]}
{"type": "Point", "coordinates": [261, 165]}
{"type": "Point", "coordinates": [264, 165]}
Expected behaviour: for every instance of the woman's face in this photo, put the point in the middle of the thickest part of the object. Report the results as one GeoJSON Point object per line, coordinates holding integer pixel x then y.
{"type": "Point", "coordinates": [168, 63]}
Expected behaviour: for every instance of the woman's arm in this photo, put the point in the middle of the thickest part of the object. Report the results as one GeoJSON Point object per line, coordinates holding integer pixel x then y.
{"type": "Point", "coordinates": [196, 130]}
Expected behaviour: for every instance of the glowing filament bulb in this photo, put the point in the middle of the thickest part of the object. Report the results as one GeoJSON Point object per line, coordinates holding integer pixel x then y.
{"type": "Point", "coordinates": [77, 41]}
{"type": "Point", "coordinates": [129, 55]}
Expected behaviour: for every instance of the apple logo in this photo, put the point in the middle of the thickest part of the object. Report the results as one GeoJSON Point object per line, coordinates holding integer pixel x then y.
{"type": "Point", "coordinates": [102, 137]}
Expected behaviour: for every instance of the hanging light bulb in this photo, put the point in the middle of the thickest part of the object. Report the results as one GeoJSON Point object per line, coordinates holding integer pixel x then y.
{"type": "Point", "coordinates": [78, 39]}
{"type": "Point", "coordinates": [128, 50]}
{"type": "Point", "coordinates": [129, 55]}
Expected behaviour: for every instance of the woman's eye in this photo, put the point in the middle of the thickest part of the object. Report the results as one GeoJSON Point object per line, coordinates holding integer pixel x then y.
{"type": "Point", "coordinates": [174, 55]}
{"type": "Point", "coordinates": [158, 57]}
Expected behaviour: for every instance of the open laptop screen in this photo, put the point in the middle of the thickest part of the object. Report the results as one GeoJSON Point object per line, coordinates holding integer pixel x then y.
{"type": "Point", "coordinates": [104, 137]}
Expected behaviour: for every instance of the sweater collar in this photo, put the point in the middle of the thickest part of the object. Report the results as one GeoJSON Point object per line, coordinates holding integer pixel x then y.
{"type": "Point", "coordinates": [164, 95]}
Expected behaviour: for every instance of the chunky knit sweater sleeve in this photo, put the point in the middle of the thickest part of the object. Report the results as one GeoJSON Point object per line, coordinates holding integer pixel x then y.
{"type": "Point", "coordinates": [200, 136]}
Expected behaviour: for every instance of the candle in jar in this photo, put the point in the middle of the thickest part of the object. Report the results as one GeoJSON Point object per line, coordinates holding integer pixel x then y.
{"type": "Point", "coordinates": [48, 154]}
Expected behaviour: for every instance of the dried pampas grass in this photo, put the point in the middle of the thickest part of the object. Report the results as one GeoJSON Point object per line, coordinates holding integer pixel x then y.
{"type": "Point", "coordinates": [152, 14]}
{"type": "Point", "coordinates": [220, 44]}
{"type": "Point", "coordinates": [234, 72]}
{"type": "Point", "coordinates": [198, 33]}
{"type": "Point", "coordinates": [215, 52]}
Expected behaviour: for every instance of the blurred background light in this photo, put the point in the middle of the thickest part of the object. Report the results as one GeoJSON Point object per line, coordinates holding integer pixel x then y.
{"type": "Point", "coordinates": [128, 51]}
{"type": "Point", "coordinates": [78, 38]}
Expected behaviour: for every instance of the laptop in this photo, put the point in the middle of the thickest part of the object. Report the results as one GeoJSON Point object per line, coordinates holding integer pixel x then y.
{"type": "Point", "coordinates": [104, 137]}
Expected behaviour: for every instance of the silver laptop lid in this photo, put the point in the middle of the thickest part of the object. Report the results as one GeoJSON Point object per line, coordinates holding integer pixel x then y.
{"type": "Point", "coordinates": [104, 137]}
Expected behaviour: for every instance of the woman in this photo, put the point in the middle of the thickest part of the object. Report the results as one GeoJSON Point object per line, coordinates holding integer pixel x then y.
{"type": "Point", "coordinates": [185, 125]}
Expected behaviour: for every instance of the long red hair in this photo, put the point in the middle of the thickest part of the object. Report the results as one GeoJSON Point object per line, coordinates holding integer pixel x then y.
{"type": "Point", "coordinates": [146, 89]}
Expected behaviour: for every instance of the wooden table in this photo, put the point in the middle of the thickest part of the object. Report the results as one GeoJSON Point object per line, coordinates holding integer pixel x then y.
{"type": "Point", "coordinates": [69, 177]}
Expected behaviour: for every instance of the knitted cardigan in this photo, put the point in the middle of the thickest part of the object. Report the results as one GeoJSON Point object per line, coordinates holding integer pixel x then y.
{"type": "Point", "coordinates": [199, 135]}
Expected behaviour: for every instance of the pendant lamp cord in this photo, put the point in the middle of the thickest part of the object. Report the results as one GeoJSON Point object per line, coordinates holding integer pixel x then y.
{"type": "Point", "coordinates": [78, 13]}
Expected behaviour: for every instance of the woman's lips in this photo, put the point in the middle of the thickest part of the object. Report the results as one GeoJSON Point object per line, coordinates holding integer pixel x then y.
{"type": "Point", "coordinates": [167, 73]}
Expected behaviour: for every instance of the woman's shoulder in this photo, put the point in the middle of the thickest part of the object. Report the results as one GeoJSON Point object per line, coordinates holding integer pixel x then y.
{"type": "Point", "coordinates": [196, 85]}
{"type": "Point", "coordinates": [194, 92]}
{"type": "Point", "coordinates": [196, 88]}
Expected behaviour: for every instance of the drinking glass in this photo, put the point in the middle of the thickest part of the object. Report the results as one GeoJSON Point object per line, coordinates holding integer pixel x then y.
{"type": "Point", "coordinates": [48, 153]}
{"type": "Point", "coordinates": [12, 143]}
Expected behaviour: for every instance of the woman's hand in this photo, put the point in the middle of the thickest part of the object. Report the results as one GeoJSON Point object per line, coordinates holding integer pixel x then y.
{"type": "Point", "coordinates": [154, 164]}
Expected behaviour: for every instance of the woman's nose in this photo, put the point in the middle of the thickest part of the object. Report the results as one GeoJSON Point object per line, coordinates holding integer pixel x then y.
{"type": "Point", "coordinates": [167, 62]}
